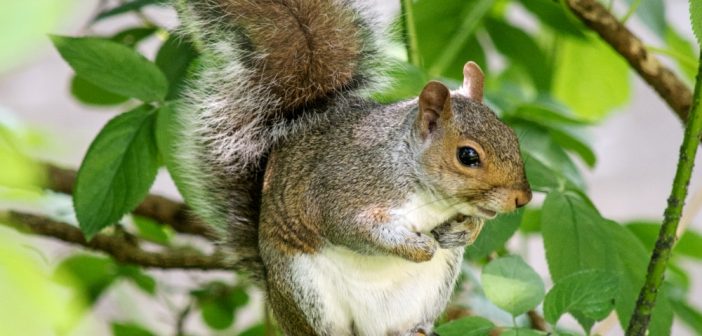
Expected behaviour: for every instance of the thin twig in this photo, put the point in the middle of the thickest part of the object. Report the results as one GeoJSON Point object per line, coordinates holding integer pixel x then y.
{"type": "Point", "coordinates": [410, 33]}
{"type": "Point", "coordinates": [117, 246]}
{"type": "Point", "coordinates": [667, 236]}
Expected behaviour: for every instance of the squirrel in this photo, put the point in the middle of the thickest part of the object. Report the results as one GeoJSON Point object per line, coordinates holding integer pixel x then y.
{"type": "Point", "coordinates": [352, 215]}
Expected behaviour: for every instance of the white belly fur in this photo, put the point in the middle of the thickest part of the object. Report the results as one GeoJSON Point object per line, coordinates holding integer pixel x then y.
{"type": "Point", "coordinates": [382, 294]}
{"type": "Point", "coordinates": [379, 294]}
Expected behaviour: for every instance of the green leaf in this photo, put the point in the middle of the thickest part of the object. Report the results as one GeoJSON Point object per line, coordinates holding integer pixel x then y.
{"type": "Point", "coordinates": [553, 15]}
{"type": "Point", "coordinates": [140, 279]}
{"type": "Point", "coordinates": [92, 274]}
{"type": "Point", "coordinates": [573, 143]}
{"type": "Point", "coordinates": [538, 146]}
{"type": "Point", "coordinates": [688, 315]}
{"type": "Point", "coordinates": [117, 171]}
{"type": "Point", "coordinates": [685, 52]}
{"type": "Point", "coordinates": [218, 316]}
{"type": "Point", "coordinates": [696, 19]}
{"type": "Point", "coordinates": [407, 81]}
{"type": "Point", "coordinates": [590, 293]}
{"type": "Point", "coordinates": [126, 7]}
{"type": "Point", "coordinates": [129, 329]}
{"type": "Point", "coordinates": [174, 59]}
{"type": "Point", "coordinates": [591, 94]}
{"type": "Point", "coordinates": [632, 258]}
{"type": "Point", "coordinates": [152, 230]}
{"type": "Point", "coordinates": [166, 133]}
{"type": "Point", "coordinates": [521, 49]}
{"type": "Point", "coordinates": [467, 326]}
{"type": "Point", "coordinates": [512, 285]}
{"type": "Point", "coordinates": [494, 235]}
{"type": "Point", "coordinates": [90, 94]}
{"type": "Point", "coordinates": [647, 232]}
{"type": "Point", "coordinates": [451, 41]}
{"type": "Point", "coordinates": [113, 67]}
{"type": "Point", "coordinates": [575, 236]}
{"type": "Point", "coordinates": [531, 220]}
{"type": "Point", "coordinates": [132, 36]}
{"type": "Point", "coordinates": [257, 330]}
{"type": "Point", "coordinates": [522, 332]}
{"type": "Point", "coordinates": [652, 14]}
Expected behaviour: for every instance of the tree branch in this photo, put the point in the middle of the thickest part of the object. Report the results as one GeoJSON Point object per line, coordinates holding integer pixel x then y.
{"type": "Point", "coordinates": [660, 77]}
{"type": "Point", "coordinates": [120, 247]}
{"type": "Point", "coordinates": [164, 210]}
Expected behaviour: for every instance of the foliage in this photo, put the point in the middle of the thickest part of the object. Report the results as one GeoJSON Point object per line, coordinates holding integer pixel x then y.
{"type": "Point", "coordinates": [597, 266]}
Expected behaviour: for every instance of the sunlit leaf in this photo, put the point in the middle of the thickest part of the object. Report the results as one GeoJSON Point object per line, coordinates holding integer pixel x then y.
{"type": "Point", "coordinates": [113, 67]}
{"type": "Point", "coordinates": [595, 93]}
{"type": "Point", "coordinates": [117, 171]}
{"type": "Point", "coordinates": [512, 285]}
{"type": "Point", "coordinates": [467, 326]}
{"type": "Point", "coordinates": [590, 293]}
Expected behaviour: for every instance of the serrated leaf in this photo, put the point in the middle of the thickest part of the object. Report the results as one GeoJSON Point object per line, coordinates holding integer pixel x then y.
{"type": "Point", "coordinates": [512, 285]}
{"type": "Point", "coordinates": [113, 67]}
{"type": "Point", "coordinates": [575, 237]}
{"type": "Point", "coordinates": [117, 171]}
{"type": "Point", "coordinates": [467, 326]}
{"type": "Point", "coordinates": [590, 293]}
{"type": "Point", "coordinates": [494, 235]}
{"type": "Point", "coordinates": [595, 93]}
{"type": "Point", "coordinates": [573, 143]}
{"type": "Point", "coordinates": [129, 329]}
{"type": "Point", "coordinates": [92, 274]}
{"type": "Point", "coordinates": [91, 94]}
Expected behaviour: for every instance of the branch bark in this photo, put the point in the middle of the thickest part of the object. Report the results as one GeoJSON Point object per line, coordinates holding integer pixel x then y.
{"type": "Point", "coordinates": [164, 210]}
{"type": "Point", "coordinates": [120, 247]}
{"type": "Point", "coordinates": [660, 77]}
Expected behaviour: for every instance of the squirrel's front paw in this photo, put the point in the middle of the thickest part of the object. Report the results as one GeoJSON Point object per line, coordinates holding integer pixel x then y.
{"type": "Point", "coordinates": [457, 232]}
{"type": "Point", "coordinates": [421, 248]}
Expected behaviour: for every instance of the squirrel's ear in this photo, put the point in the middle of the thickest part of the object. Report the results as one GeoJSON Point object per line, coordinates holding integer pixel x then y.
{"type": "Point", "coordinates": [434, 103]}
{"type": "Point", "coordinates": [473, 81]}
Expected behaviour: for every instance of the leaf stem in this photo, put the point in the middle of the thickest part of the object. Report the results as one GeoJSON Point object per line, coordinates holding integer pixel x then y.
{"type": "Point", "coordinates": [468, 26]}
{"type": "Point", "coordinates": [410, 33]}
{"type": "Point", "coordinates": [667, 236]}
{"type": "Point", "coordinates": [630, 12]}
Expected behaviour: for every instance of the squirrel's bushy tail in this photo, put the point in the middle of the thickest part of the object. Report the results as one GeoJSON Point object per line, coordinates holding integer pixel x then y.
{"type": "Point", "coordinates": [268, 64]}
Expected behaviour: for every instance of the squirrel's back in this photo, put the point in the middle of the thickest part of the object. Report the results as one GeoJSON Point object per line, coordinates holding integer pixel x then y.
{"type": "Point", "coordinates": [269, 69]}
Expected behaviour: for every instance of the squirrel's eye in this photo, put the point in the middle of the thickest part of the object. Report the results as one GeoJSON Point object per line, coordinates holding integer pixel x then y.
{"type": "Point", "coordinates": [468, 156]}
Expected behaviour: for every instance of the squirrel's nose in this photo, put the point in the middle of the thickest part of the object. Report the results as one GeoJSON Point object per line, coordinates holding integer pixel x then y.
{"type": "Point", "coordinates": [522, 197]}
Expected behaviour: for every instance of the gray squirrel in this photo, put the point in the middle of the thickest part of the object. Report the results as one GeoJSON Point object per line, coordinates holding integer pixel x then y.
{"type": "Point", "coordinates": [351, 215]}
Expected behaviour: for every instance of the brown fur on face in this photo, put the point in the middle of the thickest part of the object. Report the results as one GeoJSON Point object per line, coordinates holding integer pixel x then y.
{"type": "Point", "coordinates": [499, 183]}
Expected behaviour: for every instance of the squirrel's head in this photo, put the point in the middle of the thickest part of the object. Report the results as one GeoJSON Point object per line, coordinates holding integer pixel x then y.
{"type": "Point", "coordinates": [469, 155]}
